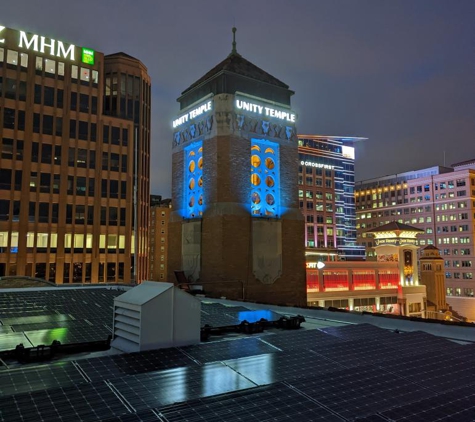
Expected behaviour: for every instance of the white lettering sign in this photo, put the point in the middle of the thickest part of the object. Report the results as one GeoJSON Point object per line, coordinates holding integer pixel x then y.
{"type": "Point", "coordinates": [46, 45]}
{"type": "Point", "coordinates": [266, 111]}
{"type": "Point", "coordinates": [1, 29]}
{"type": "Point", "coordinates": [318, 165]}
{"type": "Point", "coordinates": [198, 111]}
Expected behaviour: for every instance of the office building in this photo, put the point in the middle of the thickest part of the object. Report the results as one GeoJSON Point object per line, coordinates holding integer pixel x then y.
{"type": "Point", "coordinates": [326, 196]}
{"type": "Point", "coordinates": [158, 251]}
{"type": "Point", "coordinates": [75, 141]}
{"type": "Point", "coordinates": [441, 202]}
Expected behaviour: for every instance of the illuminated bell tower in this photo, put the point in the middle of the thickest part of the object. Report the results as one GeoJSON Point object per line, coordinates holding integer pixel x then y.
{"type": "Point", "coordinates": [236, 227]}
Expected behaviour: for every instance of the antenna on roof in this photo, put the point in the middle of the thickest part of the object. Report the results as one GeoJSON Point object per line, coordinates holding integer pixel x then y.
{"type": "Point", "coordinates": [234, 51]}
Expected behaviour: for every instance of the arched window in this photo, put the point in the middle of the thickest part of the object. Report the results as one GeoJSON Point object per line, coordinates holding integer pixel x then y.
{"type": "Point", "coordinates": [265, 178]}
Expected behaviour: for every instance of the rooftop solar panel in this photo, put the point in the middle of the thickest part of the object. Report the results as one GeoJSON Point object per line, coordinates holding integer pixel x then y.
{"type": "Point", "coordinates": [9, 341]}
{"type": "Point", "coordinates": [458, 405]}
{"type": "Point", "coordinates": [299, 339]}
{"type": "Point", "coordinates": [271, 403]}
{"type": "Point", "coordinates": [39, 378]}
{"type": "Point", "coordinates": [179, 384]}
{"type": "Point", "coordinates": [361, 391]}
{"type": "Point", "coordinates": [228, 349]}
{"type": "Point", "coordinates": [275, 367]}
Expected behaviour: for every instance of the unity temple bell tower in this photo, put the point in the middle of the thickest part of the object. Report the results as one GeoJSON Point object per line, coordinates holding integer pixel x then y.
{"type": "Point", "coordinates": [236, 227]}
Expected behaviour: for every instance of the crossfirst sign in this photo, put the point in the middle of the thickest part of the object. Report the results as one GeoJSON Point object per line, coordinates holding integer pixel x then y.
{"type": "Point", "coordinates": [264, 110]}
{"type": "Point", "coordinates": [317, 165]}
{"type": "Point", "coordinates": [41, 44]}
{"type": "Point", "coordinates": [196, 112]}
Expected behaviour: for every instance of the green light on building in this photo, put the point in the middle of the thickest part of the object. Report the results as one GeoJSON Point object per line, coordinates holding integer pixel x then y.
{"type": "Point", "coordinates": [87, 56]}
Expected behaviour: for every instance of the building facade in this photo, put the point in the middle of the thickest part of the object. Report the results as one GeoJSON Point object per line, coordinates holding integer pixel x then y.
{"type": "Point", "coordinates": [326, 196]}
{"type": "Point", "coordinates": [236, 225]}
{"type": "Point", "coordinates": [75, 140]}
{"type": "Point", "coordinates": [158, 251]}
{"type": "Point", "coordinates": [441, 202]}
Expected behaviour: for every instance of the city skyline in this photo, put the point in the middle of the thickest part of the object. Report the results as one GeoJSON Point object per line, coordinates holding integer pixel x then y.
{"type": "Point", "coordinates": [396, 73]}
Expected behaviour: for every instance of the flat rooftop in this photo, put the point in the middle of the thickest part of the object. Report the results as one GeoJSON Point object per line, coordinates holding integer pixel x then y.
{"type": "Point", "coordinates": [338, 367]}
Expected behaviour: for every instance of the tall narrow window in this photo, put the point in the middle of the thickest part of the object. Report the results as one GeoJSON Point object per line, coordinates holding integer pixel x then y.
{"type": "Point", "coordinates": [194, 180]}
{"type": "Point", "coordinates": [265, 178]}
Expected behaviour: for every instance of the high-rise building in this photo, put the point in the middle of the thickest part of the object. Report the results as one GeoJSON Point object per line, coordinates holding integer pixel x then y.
{"type": "Point", "coordinates": [326, 196]}
{"type": "Point", "coordinates": [438, 200]}
{"type": "Point", "coordinates": [235, 224]}
{"type": "Point", "coordinates": [160, 210]}
{"type": "Point", "coordinates": [75, 138]}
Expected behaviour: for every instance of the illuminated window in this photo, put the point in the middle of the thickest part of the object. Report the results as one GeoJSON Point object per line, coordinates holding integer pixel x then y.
{"type": "Point", "coordinates": [265, 178]}
{"type": "Point", "coordinates": [194, 180]}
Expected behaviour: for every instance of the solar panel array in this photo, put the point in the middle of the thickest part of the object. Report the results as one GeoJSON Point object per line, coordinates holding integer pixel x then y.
{"type": "Point", "coordinates": [352, 372]}
{"type": "Point", "coordinates": [67, 315]}
{"type": "Point", "coordinates": [74, 316]}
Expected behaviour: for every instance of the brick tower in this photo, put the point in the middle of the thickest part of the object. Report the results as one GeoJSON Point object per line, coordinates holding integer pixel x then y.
{"type": "Point", "coordinates": [236, 226]}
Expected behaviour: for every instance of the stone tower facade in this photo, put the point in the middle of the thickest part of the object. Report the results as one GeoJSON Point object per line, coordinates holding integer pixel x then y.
{"type": "Point", "coordinates": [236, 226]}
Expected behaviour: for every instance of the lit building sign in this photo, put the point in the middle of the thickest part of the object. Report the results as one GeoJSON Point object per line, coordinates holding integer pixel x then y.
{"type": "Point", "coordinates": [317, 165]}
{"type": "Point", "coordinates": [41, 44]}
{"type": "Point", "coordinates": [265, 110]}
{"type": "Point", "coordinates": [395, 242]}
{"type": "Point", "coordinates": [198, 111]}
{"type": "Point", "coordinates": [348, 152]}
{"type": "Point", "coordinates": [87, 56]}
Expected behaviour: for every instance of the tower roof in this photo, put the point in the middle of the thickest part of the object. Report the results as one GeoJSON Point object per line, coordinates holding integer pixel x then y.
{"type": "Point", "coordinates": [235, 73]}
{"type": "Point", "coordinates": [395, 226]}
{"type": "Point", "coordinates": [238, 65]}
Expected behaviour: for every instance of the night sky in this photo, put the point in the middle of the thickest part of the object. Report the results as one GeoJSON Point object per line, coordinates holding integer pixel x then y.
{"type": "Point", "coordinates": [399, 72]}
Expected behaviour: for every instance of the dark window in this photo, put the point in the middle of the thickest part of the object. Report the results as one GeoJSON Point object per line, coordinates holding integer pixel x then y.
{"type": "Point", "coordinates": [7, 148]}
{"type": "Point", "coordinates": [34, 152]}
{"type": "Point", "coordinates": [57, 154]}
{"type": "Point", "coordinates": [125, 137]}
{"type": "Point", "coordinates": [74, 100]}
{"type": "Point", "coordinates": [94, 105]}
{"type": "Point", "coordinates": [104, 188]}
{"type": "Point", "coordinates": [114, 189]}
{"type": "Point", "coordinates": [36, 123]}
{"type": "Point", "coordinates": [114, 162]}
{"type": "Point", "coordinates": [123, 189]}
{"type": "Point", "coordinates": [80, 214]}
{"type": "Point", "coordinates": [56, 182]}
{"type": "Point", "coordinates": [9, 118]}
{"type": "Point", "coordinates": [90, 214]}
{"type": "Point", "coordinates": [123, 163]}
{"type": "Point", "coordinates": [105, 161]}
{"type": "Point", "coordinates": [59, 126]}
{"type": "Point", "coordinates": [18, 179]}
{"type": "Point", "coordinates": [31, 212]}
{"type": "Point", "coordinates": [84, 103]}
{"type": "Point", "coordinates": [81, 186]}
{"type": "Point", "coordinates": [45, 182]}
{"type": "Point", "coordinates": [4, 210]}
{"type": "Point", "coordinates": [10, 88]}
{"type": "Point", "coordinates": [46, 153]}
{"type": "Point", "coordinates": [93, 132]}
{"type": "Point", "coordinates": [71, 157]}
{"type": "Point", "coordinates": [54, 213]}
{"type": "Point", "coordinates": [115, 136]}
{"type": "Point", "coordinates": [69, 214]}
{"type": "Point", "coordinates": [22, 91]}
{"type": "Point", "coordinates": [43, 212]}
{"type": "Point", "coordinates": [37, 94]}
{"type": "Point", "coordinates": [48, 99]}
{"type": "Point", "coordinates": [83, 132]}
{"type": "Point", "coordinates": [91, 187]}
{"type": "Point", "coordinates": [5, 179]}
{"type": "Point", "coordinates": [122, 216]}
{"type": "Point", "coordinates": [70, 185]}
{"type": "Point", "coordinates": [59, 98]}
{"type": "Point", "coordinates": [72, 128]}
{"type": "Point", "coordinates": [82, 158]}
{"type": "Point", "coordinates": [112, 216]}
{"type": "Point", "coordinates": [92, 159]}
{"type": "Point", "coordinates": [105, 134]}
{"type": "Point", "coordinates": [47, 125]}
{"type": "Point", "coordinates": [21, 120]}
